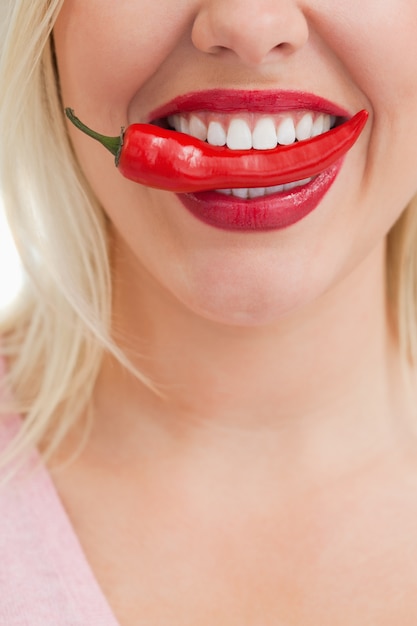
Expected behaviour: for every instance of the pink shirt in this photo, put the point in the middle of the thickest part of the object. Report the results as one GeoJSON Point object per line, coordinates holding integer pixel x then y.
{"type": "Point", "coordinates": [45, 579]}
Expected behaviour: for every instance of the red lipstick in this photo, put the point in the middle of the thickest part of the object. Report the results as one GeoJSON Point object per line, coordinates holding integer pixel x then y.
{"type": "Point", "coordinates": [163, 158]}
{"type": "Point", "coordinates": [258, 101]}
{"type": "Point", "coordinates": [271, 212]}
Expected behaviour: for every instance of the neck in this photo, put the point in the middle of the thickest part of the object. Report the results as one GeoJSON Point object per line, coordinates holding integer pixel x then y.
{"type": "Point", "coordinates": [326, 372]}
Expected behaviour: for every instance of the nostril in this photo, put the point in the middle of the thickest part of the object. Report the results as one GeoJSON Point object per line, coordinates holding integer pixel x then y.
{"type": "Point", "coordinates": [252, 33]}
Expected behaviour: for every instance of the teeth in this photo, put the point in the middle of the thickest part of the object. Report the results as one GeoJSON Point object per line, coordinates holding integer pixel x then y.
{"type": "Point", "coordinates": [290, 186]}
{"type": "Point", "coordinates": [304, 127]}
{"type": "Point", "coordinates": [241, 193]}
{"type": "Point", "coordinates": [239, 136]}
{"type": "Point", "coordinates": [327, 122]}
{"type": "Point", "coordinates": [318, 126]}
{"type": "Point", "coordinates": [184, 126]}
{"type": "Point", "coordinates": [197, 128]}
{"type": "Point", "coordinates": [275, 189]}
{"type": "Point", "coordinates": [250, 130]}
{"type": "Point", "coordinates": [264, 135]}
{"type": "Point", "coordinates": [216, 135]}
{"type": "Point", "coordinates": [258, 192]}
{"type": "Point", "coordinates": [286, 132]}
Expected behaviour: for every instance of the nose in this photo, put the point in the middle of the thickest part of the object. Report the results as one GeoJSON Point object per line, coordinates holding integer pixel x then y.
{"type": "Point", "coordinates": [254, 30]}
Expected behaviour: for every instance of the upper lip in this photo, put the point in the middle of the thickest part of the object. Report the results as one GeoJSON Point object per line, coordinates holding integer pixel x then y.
{"type": "Point", "coordinates": [235, 100]}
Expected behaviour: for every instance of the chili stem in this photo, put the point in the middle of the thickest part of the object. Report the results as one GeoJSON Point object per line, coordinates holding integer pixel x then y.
{"type": "Point", "coordinates": [113, 144]}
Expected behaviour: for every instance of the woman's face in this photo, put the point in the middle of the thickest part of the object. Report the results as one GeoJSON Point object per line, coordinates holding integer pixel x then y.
{"type": "Point", "coordinates": [119, 62]}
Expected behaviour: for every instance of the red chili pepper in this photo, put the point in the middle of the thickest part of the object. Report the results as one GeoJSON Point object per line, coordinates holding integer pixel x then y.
{"type": "Point", "coordinates": [173, 161]}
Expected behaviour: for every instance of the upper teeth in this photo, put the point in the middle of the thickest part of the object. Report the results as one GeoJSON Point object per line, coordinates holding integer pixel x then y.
{"type": "Point", "coordinates": [249, 130]}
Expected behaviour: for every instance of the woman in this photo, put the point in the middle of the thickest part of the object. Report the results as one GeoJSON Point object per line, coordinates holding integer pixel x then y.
{"type": "Point", "coordinates": [221, 384]}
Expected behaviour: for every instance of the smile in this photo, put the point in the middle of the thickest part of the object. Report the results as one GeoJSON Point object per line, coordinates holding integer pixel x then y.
{"type": "Point", "coordinates": [246, 131]}
{"type": "Point", "coordinates": [225, 149]}
{"type": "Point", "coordinates": [252, 130]}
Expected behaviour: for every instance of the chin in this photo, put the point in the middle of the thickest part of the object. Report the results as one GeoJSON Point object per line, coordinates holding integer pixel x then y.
{"type": "Point", "coordinates": [255, 305]}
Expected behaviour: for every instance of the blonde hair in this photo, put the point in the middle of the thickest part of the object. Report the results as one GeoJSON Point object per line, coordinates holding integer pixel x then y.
{"type": "Point", "coordinates": [55, 336]}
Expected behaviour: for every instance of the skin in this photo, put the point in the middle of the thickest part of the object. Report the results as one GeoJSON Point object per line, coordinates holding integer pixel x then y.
{"type": "Point", "coordinates": [274, 483]}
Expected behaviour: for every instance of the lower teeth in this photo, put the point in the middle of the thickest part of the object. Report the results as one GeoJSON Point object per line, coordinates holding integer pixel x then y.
{"type": "Point", "coordinates": [258, 192]}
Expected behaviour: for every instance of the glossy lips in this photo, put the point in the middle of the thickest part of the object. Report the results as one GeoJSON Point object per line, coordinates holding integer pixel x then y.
{"type": "Point", "coordinates": [166, 159]}
{"type": "Point", "coordinates": [270, 212]}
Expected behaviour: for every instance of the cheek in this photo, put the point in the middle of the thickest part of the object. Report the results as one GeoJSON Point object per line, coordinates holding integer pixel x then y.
{"type": "Point", "coordinates": [107, 50]}
{"type": "Point", "coordinates": [377, 45]}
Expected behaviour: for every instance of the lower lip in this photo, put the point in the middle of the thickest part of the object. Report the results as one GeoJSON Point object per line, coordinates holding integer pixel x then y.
{"type": "Point", "coordinates": [273, 212]}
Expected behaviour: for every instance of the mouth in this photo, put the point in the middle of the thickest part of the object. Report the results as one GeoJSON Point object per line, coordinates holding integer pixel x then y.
{"type": "Point", "coordinates": [253, 131]}
{"type": "Point", "coordinates": [235, 148]}
{"type": "Point", "coordinates": [259, 124]}
{"type": "Point", "coordinates": [264, 123]}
